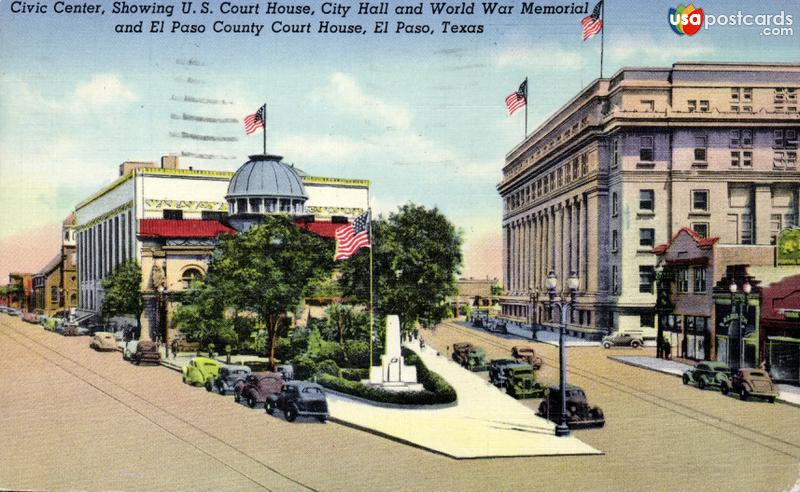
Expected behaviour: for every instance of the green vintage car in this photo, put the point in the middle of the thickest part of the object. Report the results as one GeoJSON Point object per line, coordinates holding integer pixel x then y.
{"type": "Point", "coordinates": [707, 374]}
{"type": "Point", "coordinates": [202, 371]}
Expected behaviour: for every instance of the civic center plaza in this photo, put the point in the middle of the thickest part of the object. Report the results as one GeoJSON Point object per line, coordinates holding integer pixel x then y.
{"type": "Point", "coordinates": [670, 192]}
{"type": "Point", "coordinates": [168, 219]}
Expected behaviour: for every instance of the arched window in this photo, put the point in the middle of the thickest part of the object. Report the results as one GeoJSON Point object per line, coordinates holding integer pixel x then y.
{"type": "Point", "coordinates": [190, 276]}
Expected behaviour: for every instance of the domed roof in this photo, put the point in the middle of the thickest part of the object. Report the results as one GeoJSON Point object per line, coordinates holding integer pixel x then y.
{"type": "Point", "coordinates": [266, 176]}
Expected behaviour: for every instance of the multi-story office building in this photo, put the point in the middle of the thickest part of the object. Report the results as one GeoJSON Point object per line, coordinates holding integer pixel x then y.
{"type": "Point", "coordinates": [629, 161]}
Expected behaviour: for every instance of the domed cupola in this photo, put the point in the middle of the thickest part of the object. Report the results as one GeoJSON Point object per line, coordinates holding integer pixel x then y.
{"type": "Point", "coordinates": [266, 185]}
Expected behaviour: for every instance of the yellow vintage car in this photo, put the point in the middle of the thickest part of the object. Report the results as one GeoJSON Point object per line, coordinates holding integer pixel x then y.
{"type": "Point", "coordinates": [202, 371]}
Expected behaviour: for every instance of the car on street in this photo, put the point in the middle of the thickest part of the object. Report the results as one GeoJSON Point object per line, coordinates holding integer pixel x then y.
{"type": "Point", "coordinates": [256, 387]}
{"type": "Point", "coordinates": [528, 354]}
{"type": "Point", "coordinates": [14, 312]}
{"type": "Point", "coordinates": [521, 382]}
{"type": "Point", "coordinates": [497, 374]}
{"type": "Point", "coordinates": [285, 370]}
{"type": "Point", "coordinates": [751, 382]}
{"type": "Point", "coordinates": [201, 371]}
{"type": "Point", "coordinates": [103, 340]}
{"type": "Point", "coordinates": [229, 375]}
{"type": "Point", "coordinates": [622, 340]}
{"type": "Point", "coordinates": [30, 317]}
{"type": "Point", "coordinates": [580, 414]}
{"type": "Point", "coordinates": [74, 330]}
{"type": "Point", "coordinates": [470, 357]}
{"type": "Point", "coordinates": [708, 374]}
{"type": "Point", "coordinates": [129, 349]}
{"type": "Point", "coordinates": [146, 351]}
{"type": "Point", "coordinates": [299, 399]}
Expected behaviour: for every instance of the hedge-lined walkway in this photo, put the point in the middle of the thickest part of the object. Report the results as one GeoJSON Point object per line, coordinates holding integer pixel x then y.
{"type": "Point", "coordinates": [484, 422]}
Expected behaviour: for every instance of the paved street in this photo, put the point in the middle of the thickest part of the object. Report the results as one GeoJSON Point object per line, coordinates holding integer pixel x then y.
{"type": "Point", "coordinates": [72, 418]}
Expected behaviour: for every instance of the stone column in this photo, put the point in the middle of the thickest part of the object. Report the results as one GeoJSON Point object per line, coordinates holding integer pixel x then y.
{"type": "Point", "coordinates": [506, 256]}
{"type": "Point", "coordinates": [558, 244]}
{"type": "Point", "coordinates": [593, 239]}
{"type": "Point", "coordinates": [761, 209]}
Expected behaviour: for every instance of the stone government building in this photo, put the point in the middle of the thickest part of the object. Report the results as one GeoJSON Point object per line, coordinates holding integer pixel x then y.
{"type": "Point", "coordinates": [168, 219]}
{"type": "Point", "coordinates": [629, 161]}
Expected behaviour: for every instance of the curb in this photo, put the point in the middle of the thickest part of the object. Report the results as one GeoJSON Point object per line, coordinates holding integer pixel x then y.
{"type": "Point", "coordinates": [633, 364]}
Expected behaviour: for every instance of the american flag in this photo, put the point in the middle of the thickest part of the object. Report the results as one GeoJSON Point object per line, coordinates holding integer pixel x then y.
{"type": "Point", "coordinates": [256, 120]}
{"type": "Point", "coordinates": [517, 99]}
{"type": "Point", "coordinates": [352, 237]}
{"type": "Point", "coordinates": [592, 24]}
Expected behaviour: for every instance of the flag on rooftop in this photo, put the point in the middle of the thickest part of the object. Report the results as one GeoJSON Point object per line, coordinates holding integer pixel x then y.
{"type": "Point", "coordinates": [592, 24]}
{"type": "Point", "coordinates": [518, 98]}
{"type": "Point", "coordinates": [256, 120]}
{"type": "Point", "coordinates": [352, 237]}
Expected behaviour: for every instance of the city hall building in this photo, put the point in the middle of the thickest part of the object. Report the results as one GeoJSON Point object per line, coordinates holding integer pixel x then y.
{"type": "Point", "coordinates": [629, 161]}
{"type": "Point", "coordinates": [168, 219]}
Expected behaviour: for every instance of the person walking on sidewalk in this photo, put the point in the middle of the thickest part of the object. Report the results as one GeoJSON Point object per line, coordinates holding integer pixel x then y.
{"type": "Point", "coordinates": [174, 348]}
{"type": "Point", "coordinates": [667, 347]}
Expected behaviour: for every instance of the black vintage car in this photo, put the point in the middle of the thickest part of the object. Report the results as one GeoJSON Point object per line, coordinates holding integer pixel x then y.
{"type": "Point", "coordinates": [579, 414]}
{"type": "Point", "coordinates": [229, 375]}
{"type": "Point", "coordinates": [299, 398]}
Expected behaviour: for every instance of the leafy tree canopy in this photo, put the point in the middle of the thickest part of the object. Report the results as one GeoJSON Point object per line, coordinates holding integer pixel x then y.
{"type": "Point", "coordinates": [123, 293]}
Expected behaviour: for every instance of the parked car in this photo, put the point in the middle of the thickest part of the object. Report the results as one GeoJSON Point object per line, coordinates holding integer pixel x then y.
{"type": "Point", "coordinates": [622, 339]}
{"type": "Point", "coordinates": [14, 312]}
{"type": "Point", "coordinates": [527, 354]}
{"type": "Point", "coordinates": [30, 317]}
{"type": "Point", "coordinates": [146, 351]}
{"type": "Point", "coordinates": [470, 357]}
{"type": "Point", "coordinates": [256, 387]}
{"type": "Point", "coordinates": [497, 375]}
{"type": "Point", "coordinates": [202, 371]}
{"type": "Point", "coordinates": [521, 382]}
{"type": "Point", "coordinates": [50, 324]}
{"type": "Point", "coordinates": [228, 376]}
{"type": "Point", "coordinates": [299, 399]}
{"type": "Point", "coordinates": [477, 322]}
{"type": "Point", "coordinates": [751, 382]}
{"type": "Point", "coordinates": [707, 374]}
{"type": "Point", "coordinates": [74, 330]}
{"type": "Point", "coordinates": [129, 349]}
{"type": "Point", "coordinates": [103, 340]}
{"type": "Point", "coordinates": [495, 326]}
{"type": "Point", "coordinates": [579, 414]}
{"type": "Point", "coordinates": [285, 370]}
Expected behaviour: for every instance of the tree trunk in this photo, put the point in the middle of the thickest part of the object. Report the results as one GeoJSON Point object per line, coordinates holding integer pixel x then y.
{"type": "Point", "coordinates": [139, 327]}
{"type": "Point", "coordinates": [273, 331]}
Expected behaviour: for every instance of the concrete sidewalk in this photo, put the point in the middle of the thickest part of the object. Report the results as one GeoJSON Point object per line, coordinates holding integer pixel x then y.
{"type": "Point", "coordinates": [523, 333]}
{"type": "Point", "coordinates": [484, 422]}
{"type": "Point", "coordinates": [788, 393]}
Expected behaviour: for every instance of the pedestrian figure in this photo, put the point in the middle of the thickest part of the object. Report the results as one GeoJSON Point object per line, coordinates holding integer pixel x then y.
{"type": "Point", "coordinates": [421, 343]}
{"type": "Point", "coordinates": [416, 333]}
{"type": "Point", "coordinates": [174, 348]}
{"type": "Point", "coordinates": [667, 349]}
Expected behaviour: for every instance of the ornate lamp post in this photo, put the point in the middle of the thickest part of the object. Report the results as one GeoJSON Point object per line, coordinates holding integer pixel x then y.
{"type": "Point", "coordinates": [565, 306]}
{"type": "Point", "coordinates": [533, 295]}
{"type": "Point", "coordinates": [737, 302]}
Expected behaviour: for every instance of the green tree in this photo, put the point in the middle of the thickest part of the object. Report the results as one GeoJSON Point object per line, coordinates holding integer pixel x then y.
{"type": "Point", "coordinates": [123, 293]}
{"type": "Point", "coordinates": [201, 316]}
{"type": "Point", "coordinates": [416, 256]}
{"type": "Point", "coordinates": [268, 270]}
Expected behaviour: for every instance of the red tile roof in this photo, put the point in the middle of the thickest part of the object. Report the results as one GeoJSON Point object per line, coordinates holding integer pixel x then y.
{"type": "Point", "coordinates": [182, 228]}
{"type": "Point", "coordinates": [702, 242]}
{"type": "Point", "coordinates": [323, 228]}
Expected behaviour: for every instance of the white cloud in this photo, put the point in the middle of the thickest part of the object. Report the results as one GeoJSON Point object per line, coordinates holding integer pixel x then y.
{"type": "Point", "coordinates": [645, 51]}
{"type": "Point", "coordinates": [542, 57]}
{"type": "Point", "coordinates": [104, 89]}
{"type": "Point", "coordinates": [346, 95]}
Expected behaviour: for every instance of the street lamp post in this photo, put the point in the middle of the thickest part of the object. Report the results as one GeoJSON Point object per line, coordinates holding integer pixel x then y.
{"type": "Point", "coordinates": [562, 429]}
{"type": "Point", "coordinates": [737, 303]}
{"type": "Point", "coordinates": [534, 301]}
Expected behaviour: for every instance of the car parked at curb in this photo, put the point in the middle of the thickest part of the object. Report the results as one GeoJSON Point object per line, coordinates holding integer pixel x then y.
{"type": "Point", "coordinates": [521, 382]}
{"type": "Point", "coordinates": [14, 312]}
{"type": "Point", "coordinates": [228, 376]}
{"type": "Point", "coordinates": [299, 399]}
{"type": "Point", "coordinates": [201, 371]}
{"type": "Point", "coordinates": [103, 340]}
{"type": "Point", "coordinates": [470, 357]}
{"type": "Point", "coordinates": [129, 349]}
{"type": "Point", "coordinates": [527, 354]}
{"type": "Point", "coordinates": [751, 382]}
{"type": "Point", "coordinates": [622, 340]}
{"type": "Point", "coordinates": [580, 414]}
{"type": "Point", "coordinates": [146, 351]}
{"type": "Point", "coordinates": [256, 387]}
{"type": "Point", "coordinates": [708, 374]}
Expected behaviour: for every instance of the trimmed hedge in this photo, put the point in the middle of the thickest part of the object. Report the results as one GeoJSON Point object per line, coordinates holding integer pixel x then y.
{"type": "Point", "coordinates": [437, 390]}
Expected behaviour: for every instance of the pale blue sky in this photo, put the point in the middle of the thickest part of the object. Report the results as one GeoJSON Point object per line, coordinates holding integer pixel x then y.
{"type": "Point", "coordinates": [422, 116]}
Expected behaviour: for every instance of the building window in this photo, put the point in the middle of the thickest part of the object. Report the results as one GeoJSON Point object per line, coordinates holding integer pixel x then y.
{"type": "Point", "coordinates": [173, 214]}
{"type": "Point", "coordinates": [647, 200]}
{"type": "Point", "coordinates": [700, 279]}
{"type": "Point", "coordinates": [646, 149]}
{"type": "Point", "coordinates": [647, 320]}
{"type": "Point", "coordinates": [614, 241]}
{"type": "Point", "coordinates": [584, 165]}
{"type": "Point", "coordinates": [648, 105]}
{"type": "Point", "coordinates": [747, 158]}
{"type": "Point", "coordinates": [646, 275]}
{"type": "Point", "coordinates": [614, 204]}
{"type": "Point", "coordinates": [775, 225]}
{"type": "Point", "coordinates": [692, 105]}
{"type": "Point", "coordinates": [191, 276]}
{"type": "Point", "coordinates": [683, 280]}
{"type": "Point", "coordinates": [211, 215]}
{"type": "Point", "coordinates": [700, 144]}
{"type": "Point", "coordinates": [614, 280]}
{"type": "Point", "coordinates": [647, 238]}
{"type": "Point", "coordinates": [736, 158]}
{"type": "Point", "coordinates": [615, 153]}
{"type": "Point", "coordinates": [747, 138]}
{"type": "Point", "coordinates": [747, 229]}
{"type": "Point", "coordinates": [704, 107]}
{"type": "Point", "coordinates": [700, 200]}
{"type": "Point", "coordinates": [701, 228]}
{"type": "Point", "coordinates": [54, 294]}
